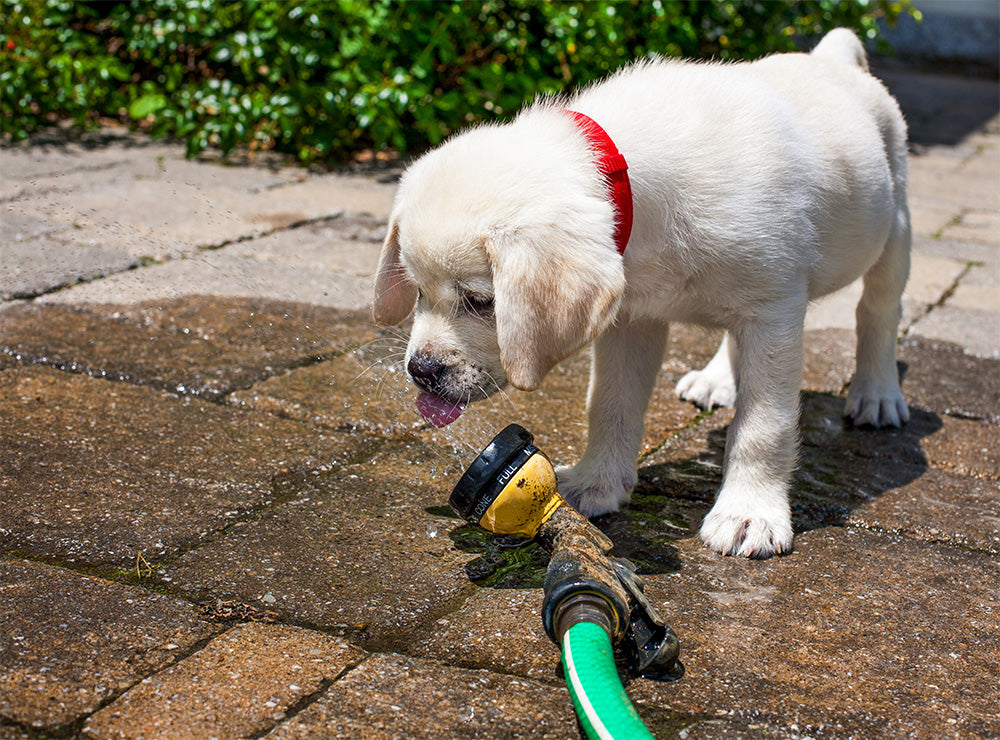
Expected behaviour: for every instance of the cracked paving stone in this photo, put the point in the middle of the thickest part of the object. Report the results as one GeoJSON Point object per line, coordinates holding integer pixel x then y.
{"type": "Point", "coordinates": [240, 684]}
{"type": "Point", "coordinates": [362, 550]}
{"type": "Point", "coordinates": [499, 629]}
{"type": "Point", "coordinates": [392, 696]}
{"type": "Point", "coordinates": [97, 471]}
{"type": "Point", "coordinates": [195, 345]}
{"type": "Point", "coordinates": [70, 642]}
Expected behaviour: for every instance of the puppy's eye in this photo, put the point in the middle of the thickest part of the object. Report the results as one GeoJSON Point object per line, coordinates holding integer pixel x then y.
{"type": "Point", "coordinates": [477, 304]}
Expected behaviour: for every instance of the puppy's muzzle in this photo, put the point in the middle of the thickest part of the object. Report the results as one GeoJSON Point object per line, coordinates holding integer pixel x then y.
{"type": "Point", "coordinates": [427, 372]}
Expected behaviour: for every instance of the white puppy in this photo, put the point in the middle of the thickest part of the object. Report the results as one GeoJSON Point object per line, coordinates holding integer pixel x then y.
{"type": "Point", "coordinates": [756, 188]}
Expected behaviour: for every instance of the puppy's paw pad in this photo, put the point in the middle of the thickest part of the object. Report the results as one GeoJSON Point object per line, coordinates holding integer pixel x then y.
{"type": "Point", "coordinates": [872, 407]}
{"type": "Point", "coordinates": [593, 495]}
{"type": "Point", "coordinates": [747, 536]}
{"type": "Point", "coordinates": [707, 389]}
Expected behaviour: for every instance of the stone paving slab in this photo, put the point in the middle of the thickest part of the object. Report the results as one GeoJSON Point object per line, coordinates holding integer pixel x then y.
{"type": "Point", "coordinates": [199, 345]}
{"type": "Point", "coordinates": [825, 641]}
{"type": "Point", "coordinates": [329, 262]}
{"type": "Point", "coordinates": [116, 206]}
{"type": "Point", "coordinates": [939, 506]}
{"type": "Point", "coordinates": [939, 375]}
{"type": "Point", "coordinates": [969, 318]}
{"type": "Point", "coordinates": [37, 264]}
{"type": "Point", "coordinates": [221, 273]}
{"type": "Point", "coordinates": [975, 252]}
{"type": "Point", "coordinates": [70, 642]}
{"type": "Point", "coordinates": [170, 214]}
{"type": "Point", "coordinates": [391, 696]}
{"type": "Point", "coordinates": [96, 471]}
{"type": "Point", "coordinates": [59, 159]}
{"type": "Point", "coordinates": [368, 390]}
{"type": "Point", "coordinates": [240, 684]}
{"type": "Point", "coordinates": [355, 551]}
{"type": "Point", "coordinates": [930, 278]}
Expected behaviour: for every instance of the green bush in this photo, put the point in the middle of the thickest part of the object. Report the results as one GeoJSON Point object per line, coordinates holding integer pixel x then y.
{"type": "Point", "coordinates": [328, 79]}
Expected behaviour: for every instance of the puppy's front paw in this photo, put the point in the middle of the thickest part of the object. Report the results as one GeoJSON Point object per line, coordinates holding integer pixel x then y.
{"type": "Point", "coordinates": [708, 388]}
{"type": "Point", "coordinates": [875, 404]}
{"type": "Point", "coordinates": [752, 536]}
{"type": "Point", "coordinates": [594, 494]}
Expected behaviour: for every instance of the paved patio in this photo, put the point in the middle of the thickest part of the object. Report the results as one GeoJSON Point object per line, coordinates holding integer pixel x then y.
{"type": "Point", "coordinates": [221, 516]}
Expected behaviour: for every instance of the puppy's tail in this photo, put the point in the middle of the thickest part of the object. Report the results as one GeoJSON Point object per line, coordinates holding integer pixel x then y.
{"type": "Point", "coordinates": [841, 44]}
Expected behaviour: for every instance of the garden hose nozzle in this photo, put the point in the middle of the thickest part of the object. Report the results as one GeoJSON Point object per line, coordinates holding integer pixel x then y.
{"type": "Point", "coordinates": [511, 489]}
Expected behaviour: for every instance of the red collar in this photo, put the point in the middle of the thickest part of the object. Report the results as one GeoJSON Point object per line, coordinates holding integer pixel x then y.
{"type": "Point", "coordinates": [612, 165]}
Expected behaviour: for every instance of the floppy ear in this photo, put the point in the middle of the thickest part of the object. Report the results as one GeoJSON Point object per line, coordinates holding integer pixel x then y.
{"type": "Point", "coordinates": [549, 300]}
{"type": "Point", "coordinates": [394, 293]}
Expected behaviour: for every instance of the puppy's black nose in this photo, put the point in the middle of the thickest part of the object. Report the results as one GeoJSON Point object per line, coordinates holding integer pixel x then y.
{"type": "Point", "coordinates": [425, 371]}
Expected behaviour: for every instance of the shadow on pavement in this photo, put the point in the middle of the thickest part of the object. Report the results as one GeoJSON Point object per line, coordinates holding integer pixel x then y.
{"type": "Point", "coordinates": [840, 469]}
{"type": "Point", "coordinates": [941, 110]}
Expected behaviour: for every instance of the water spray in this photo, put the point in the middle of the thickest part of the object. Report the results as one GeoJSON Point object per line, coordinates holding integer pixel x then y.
{"type": "Point", "coordinates": [593, 602]}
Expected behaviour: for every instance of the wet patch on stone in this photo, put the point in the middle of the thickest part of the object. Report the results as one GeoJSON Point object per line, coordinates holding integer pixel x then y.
{"type": "Point", "coordinates": [353, 550]}
{"type": "Point", "coordinates": [503, 561]}
{"type": "Point", "coordinates": [70, 642]}
{"type": "Point", "coordinates": [829, 360]}
{"type": "Point", "coordinates": [938, 507]}
{"type": "Point", "coordinates": [965, 447]}
{"type": "Point", "coordinates": [498, 629]}
{"type": "Point", "coordinates": [942, 378]}
{"type": "Point", "coordinates": [195, 345]}
{"type": "Point", "coordinates": [99, 472]}
{"type": "Point", "coordinates": [823, 637]}
{"type": "Point", "coordinates": [368, 390]}
{"type": "Point", "coordinates": [840, 470]}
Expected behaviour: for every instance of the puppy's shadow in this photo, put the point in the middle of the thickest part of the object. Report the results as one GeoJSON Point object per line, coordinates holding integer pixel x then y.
{"type": "Point", "coordinates": [840, 468]}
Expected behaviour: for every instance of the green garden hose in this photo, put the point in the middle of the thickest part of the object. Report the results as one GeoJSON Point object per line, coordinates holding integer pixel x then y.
{"type": "Point", "coordinates": [592, 601]}
{"type": "Point", "coordinates": [601, 703]}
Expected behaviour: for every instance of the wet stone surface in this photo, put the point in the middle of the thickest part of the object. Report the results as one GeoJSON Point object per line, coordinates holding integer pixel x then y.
{"type": "Point", "coordinates": [368, 390]}
{"type": "Point", "coordinates": [195, 345]}
{"type": "Point", "coordinates": [941, 377]}
{"type": "Point", "coordinates": [353, 550]}
{"type": "Point", "coordinates": [499, 629]}
{"type": "Point", "coordinates": [240, 684]}
{"type": "Point", "coordinates": [70, 642]}
{"type": "Point", "coordinates": [97, 471]}
{"type": "Point", "coordinates": [939, 506]}
{"type": "Point", "coordinates": [391, 696]}
{"type": "Point", "coordinates": [822, 638]}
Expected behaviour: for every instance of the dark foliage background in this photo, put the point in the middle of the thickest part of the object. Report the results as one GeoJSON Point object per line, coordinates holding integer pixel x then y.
{"type": "Point", "coordinates": [329, 79]}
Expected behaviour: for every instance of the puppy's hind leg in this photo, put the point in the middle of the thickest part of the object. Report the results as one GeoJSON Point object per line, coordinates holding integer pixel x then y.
{"type": "Point", "coordinates": [874, 397]}
{"type": "Point", "coordinates": [715, 384]}
{"type": "Point", "coordinates": [625, 363]}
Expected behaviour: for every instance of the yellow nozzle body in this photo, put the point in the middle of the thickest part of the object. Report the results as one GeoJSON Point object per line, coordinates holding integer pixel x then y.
{"type": "Point", "coordinates": [526, 501]}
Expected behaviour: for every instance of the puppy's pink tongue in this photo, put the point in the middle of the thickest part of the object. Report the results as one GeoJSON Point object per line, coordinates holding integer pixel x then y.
{"type": "Point", "coordinates": [438, 411]}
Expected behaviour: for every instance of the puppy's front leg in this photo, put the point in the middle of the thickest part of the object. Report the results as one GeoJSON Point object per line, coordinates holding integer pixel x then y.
{"type": "Point", "coordinates": [751, 515]}
{"type": "Point", "coordinates": [626, 360]}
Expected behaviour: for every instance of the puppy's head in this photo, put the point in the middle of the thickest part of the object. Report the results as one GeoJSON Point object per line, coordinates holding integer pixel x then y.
{"type": "Point", "coordinates": [502, 239]}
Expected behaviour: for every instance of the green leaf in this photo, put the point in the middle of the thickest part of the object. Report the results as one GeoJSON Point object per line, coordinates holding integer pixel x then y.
{"type": "Point", "coordinates": [146, 105]}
